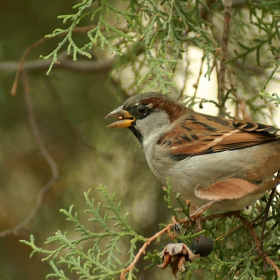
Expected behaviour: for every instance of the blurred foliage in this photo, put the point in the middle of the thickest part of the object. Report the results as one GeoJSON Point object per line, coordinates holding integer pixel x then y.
{"type": "Point", "coordinates": [150, 45]}
{"type": "Point", "coordinates": [151, 38]}
{"type": "Point", "coordinates": [274, 97]}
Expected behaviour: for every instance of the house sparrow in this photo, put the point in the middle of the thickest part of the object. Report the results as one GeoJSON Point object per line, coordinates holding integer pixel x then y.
{"type": "Point", "coordinates": [206, 158]}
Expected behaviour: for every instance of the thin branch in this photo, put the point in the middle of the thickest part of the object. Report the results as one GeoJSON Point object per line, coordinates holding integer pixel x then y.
{"type": "Point", "coordinates": [186, 76]}
{"type": "Point", "coordinates": [224, 54]}
{"type": "Point", "coordinates": [45, 154]}
{"type": "Point", "coordinates": [21, 61]}
{"type": "Point", "coordinates": [33, 122]}
{"type": "Point", "coordinates": [142, 250]}
{"type": "Point", "coordinates": [258, 242]}
{"type": "Point", "coordinates": [64, 63]}
{"type": "Point", "coordinates": [33, 46]}
{"type": "Point", "coordinates": [21, 73]}
{"type": "Point", "coordinates": [205, 11]}
{"type": "Point", "coordinates": [196, 85]}
{"type": "Point", "coordinates": [273, 264]}
{"type": "Point", "coordinates": [167, 229]}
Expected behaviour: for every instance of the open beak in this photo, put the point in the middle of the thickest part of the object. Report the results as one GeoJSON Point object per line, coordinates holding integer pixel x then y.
{"type": "Point", "coordinates": [125, 119]}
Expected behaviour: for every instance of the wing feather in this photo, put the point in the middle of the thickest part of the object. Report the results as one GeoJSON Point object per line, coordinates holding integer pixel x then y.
{"type": "Point", "coordinates": [201, 134]}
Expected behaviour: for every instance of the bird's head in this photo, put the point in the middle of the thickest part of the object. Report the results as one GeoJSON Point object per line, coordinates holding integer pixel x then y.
{"type": "Point", "coordinates": [146, 113]}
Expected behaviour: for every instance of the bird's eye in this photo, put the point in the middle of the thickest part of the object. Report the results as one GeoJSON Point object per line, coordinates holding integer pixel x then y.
{"type": "Point", "coordinates": [142, 110]}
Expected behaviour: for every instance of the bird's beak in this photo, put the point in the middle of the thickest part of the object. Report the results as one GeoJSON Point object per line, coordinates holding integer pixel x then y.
{"type": "Point", "coordinates": [125, 119]}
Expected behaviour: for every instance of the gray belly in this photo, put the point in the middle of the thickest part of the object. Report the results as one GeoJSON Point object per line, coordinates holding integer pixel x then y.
{"type": "Point", "coordinates": [204, 170]}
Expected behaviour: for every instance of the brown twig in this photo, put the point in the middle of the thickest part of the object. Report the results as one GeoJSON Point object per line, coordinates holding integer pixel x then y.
{"type": "Point", "coordinates": [64, 63]}
{"type": "Point", "coordinates": [32, 119]}
{"type": "Point", "coordinates": [45, 154]}
{"type": "Point", "coordinates": [21, 61]}
{"type": "Point", "coordinates": [224, 54]}
{"type": "Point", "coordinates": [185, 78]}
{"type": "Point", "coordinates": [143, 249]}
{"type": "Point", "coordinates": [196, 85]}
{"type": "Point", "coordinates": [21, 73]}
{"type": "Point", "coordinates": [273, 264]}
{"type": "Point", "coordinates": [258, 242]}
{"type": "Point", "coordinates": [33, 46]}
{"type": "Point", "coordinates": [205, 11]}
{"type": "Point", "coordinates": [264, 219]}
{"type": "Point", "coordinates": [244, 221]}
{"type": "Point", "coordinates": [266, 212]}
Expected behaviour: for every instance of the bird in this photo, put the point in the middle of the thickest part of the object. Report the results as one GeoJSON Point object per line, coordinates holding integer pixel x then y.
{"type": "Point", "coordinates": [206, 158]}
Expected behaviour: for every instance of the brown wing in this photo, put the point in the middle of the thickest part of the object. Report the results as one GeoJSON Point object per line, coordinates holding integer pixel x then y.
{"type": "Point", "coordinates": [202, 134]}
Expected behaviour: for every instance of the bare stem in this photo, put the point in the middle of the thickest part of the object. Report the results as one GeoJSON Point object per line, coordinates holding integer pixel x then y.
{"type": "Point", "coordinates": [224, 54]}
{"type": "Point", "coordinates": [143, 249]}
{"type": "Point", "coordinates": [45, 154]}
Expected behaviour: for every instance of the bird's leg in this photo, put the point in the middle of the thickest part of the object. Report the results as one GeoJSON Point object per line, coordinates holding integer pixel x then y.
{"type": "Point", "coordinates": [196, 215]}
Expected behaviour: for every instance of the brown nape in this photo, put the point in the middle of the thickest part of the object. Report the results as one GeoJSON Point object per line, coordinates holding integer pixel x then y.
{"type": "Point", "coordinates": [172, 108]}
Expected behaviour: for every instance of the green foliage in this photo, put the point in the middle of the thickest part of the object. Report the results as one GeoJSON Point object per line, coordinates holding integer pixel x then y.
{"type": "Point", "coordinates": [95, 263]}
{"type": "Point", "coordinates": [151, 40]}
{"type": "Point", "coordinates": [237, 251]}
{"type": "Point", "coordinates": [237, 241]}
{"type": "Point", "coordinates": [274, 97]}
{"type": "Point", "coordinates": [161, 30]}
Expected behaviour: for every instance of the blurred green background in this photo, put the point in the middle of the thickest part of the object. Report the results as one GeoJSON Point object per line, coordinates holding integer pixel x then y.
{"type": "Point", "coordinates": [70, 107]}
